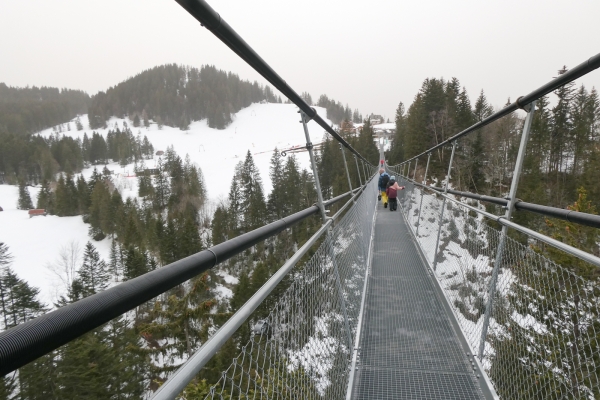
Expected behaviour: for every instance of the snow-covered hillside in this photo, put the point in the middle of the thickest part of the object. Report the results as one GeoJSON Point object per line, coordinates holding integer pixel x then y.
{"type": "Point", "coordinates": [258, 128]}
{"type": "Point", "coordinates": [37, 242]}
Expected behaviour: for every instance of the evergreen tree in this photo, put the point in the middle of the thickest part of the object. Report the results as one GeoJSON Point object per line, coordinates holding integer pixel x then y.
{"type": "Point", "coordinates": [98, 149]}
{"type": "Point", "coordinates": [136, 263]}
{"type": "Point", "coordinates": [24, 202]}
{"type": "Point", "coordinates": [83, 196]}
{"type": "Point", "coordinates": [242, 292]}
{"type": "Point", "coordinates": [162, 189]}
{"type": "Point", "coordinates": [561, 131]}
{"type": "Point", "coordinates": [82, 367]}
{"type": "Point", "coordinates": [220, 225]}
{"type": "Point", "coordinates": [18, 300]}
{"type": "Point", "coordinates": [99, 209]}
{"type": "Point", "coordinates": [7, 387]}
{"type": "Point", "coordinates": [5, 260]}
{"type": "Point", "coordinates": [277, 181]}
{"type": "Point", "coordinates": [127, 364]}
{"type": "Point", "coordinates": [31, 387]}
{"type": "Point", "coordinates": [253, 206]}
{"type": "Point", "coordinates": [396, 153]}
{"type": "Point", "coordinates": [63, 198]}
{"type": "Point", "coordinates": [93, 274]}
{"type": "Point", "coordinates": [181, 315]}
{"type": "Point", "coordinates": [482, 108]}
{"type": "Point", "coordinates": [114, 266]}
{"type": "Point", "coordinates": [45, 198]}
{"type": "Point", "coordinates": [235, 199]}
{"type": "Point", "coordinates": [367, 146]}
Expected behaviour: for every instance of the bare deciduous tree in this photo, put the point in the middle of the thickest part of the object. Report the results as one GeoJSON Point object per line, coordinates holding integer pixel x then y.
{"type": "Point", "coordinates": [66, 265]}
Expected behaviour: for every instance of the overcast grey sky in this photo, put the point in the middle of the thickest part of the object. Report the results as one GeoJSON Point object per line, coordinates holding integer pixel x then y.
{"type": "Point", "coordinates": [369, 54]}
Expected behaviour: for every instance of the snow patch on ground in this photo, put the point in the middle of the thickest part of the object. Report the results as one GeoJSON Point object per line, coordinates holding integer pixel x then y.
{"type": "Point", "coordinates": [37, 242]}
{"type": "Point", "coordinates": [222, 292]}
{"type": "Point", "coordinates": [228, 278]}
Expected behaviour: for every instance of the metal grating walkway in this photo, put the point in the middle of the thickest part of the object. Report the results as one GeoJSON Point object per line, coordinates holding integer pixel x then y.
{"type": "Point", "coordinates": [409, 347]}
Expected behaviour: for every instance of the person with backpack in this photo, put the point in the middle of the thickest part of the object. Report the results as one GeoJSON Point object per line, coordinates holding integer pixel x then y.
{"type": "Point", "coordinates": [384, 178]}
{"type": "Point", "coordinates": [392, 193]}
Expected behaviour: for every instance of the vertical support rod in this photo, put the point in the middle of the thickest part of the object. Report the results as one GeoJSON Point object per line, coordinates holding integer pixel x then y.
{"type": "Point", "coordinates": [358, 170]}
{"type": "Point", "coordinates": [313, 164]}
{"type": "Point", "coordinates": [346, 166]}
{"type": "Point", "coordinates": [437, 243]}
{"type": "Point", "coordinates": [421, 204]}
{"type": "Point", "coordinates": [510, 206]}
{"type": "Point", "coordinates": [415, 174]}
{"type": "Point", "coordinates": [408, 171]}
{"type": "Point", "coordinates": [365, 172]}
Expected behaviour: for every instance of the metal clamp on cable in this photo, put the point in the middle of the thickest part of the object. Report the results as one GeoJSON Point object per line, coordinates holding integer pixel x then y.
{"type": "Point", "coordinates": [309, 146]}
{"type": "Point", "coordinates": [525, 107]}
{"type": "Point", "coordinates": [305, 117]}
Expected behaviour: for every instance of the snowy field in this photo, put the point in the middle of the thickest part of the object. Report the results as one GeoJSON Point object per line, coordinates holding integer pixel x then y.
{"type": "Point", "coordinates": [39, 242]}
{"type": "Point", "coordinates": [258, 128]}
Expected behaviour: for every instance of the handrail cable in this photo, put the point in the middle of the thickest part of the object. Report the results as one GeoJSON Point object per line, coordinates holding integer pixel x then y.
{"type": "Point", "coordinates": [188, 370]}
{"type": "Point", "coordinates": [592, 259]}
{"type": "Point", "coordinates": [28, 341]}
{"type": "Point", "coordinates": [577, 217]}
{"type": "Point", "coordinates": [585, 67]}
{"type": "Point", "coordinates": [212, 21]}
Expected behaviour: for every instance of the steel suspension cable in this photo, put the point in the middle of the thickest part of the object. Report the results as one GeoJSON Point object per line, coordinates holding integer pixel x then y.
{"type": "Point", "coordinates": [212, 21]}
{"type": "Point", "coordinates": [26, 342]}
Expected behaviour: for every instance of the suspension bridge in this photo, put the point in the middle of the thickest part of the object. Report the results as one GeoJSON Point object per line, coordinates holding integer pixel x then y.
{"type": "Point", "coordinates": [430, 302]}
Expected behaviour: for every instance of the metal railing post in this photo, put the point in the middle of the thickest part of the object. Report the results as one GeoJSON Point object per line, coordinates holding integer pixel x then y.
{"type": "Point", "coordinates": [358, 170]}
{"type": "Point", "coordinates": [509, 209]}
{"type": "Point", "coordinates": [415, 174]}
{"type": "Point", "coordinates": [421, 203]}
{"type": "Point", "coordinates": [313, 164]}
{"type": "Point", "coordinates": [437, 243]}
{"type": "Point", "coordinates": [408, 171]}
{"type": "Point", "coordinates": [346, 167]}
{"type": "Point", "coordinates": [365, 172]}
{"type": "Point", "coordinates": [309, 147]}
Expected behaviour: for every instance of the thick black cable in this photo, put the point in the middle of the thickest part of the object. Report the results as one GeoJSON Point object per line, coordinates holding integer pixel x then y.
{"type": "Point", "coordinates": [569, 76]}
{"type": "Point", "coordinates": [32, 339]}
{"type": "Point", "coordinates": [212, 21]}
{"type": "Point", "coordinates": [553, 212]}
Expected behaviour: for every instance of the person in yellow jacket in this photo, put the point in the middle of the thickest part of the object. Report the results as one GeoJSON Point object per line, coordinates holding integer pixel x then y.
{"type": "Point", "coordinates": [384, 178]}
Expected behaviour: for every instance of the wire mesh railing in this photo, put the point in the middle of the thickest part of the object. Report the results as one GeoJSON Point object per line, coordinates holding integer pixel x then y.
{"type": "Point", "coordinates": [304, 348]}
{"type": "Point", "coordinates": [544, 330]}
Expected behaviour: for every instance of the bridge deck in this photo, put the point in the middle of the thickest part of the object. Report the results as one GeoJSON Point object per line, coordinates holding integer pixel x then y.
{"type": "Point", "coordinates": [409, 347]}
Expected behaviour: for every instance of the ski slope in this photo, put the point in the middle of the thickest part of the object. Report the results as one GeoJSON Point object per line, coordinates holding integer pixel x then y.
{"type": "Point", "coordinates": [258, 128]}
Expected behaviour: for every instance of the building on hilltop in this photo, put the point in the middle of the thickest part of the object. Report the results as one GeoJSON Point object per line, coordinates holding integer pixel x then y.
{"type": "Point", "coordinates": [375, 119]}
{"type": "Point", "coordinates": [384, 131]}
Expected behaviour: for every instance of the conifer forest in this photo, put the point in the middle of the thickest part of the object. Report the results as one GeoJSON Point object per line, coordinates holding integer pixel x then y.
{"type": "Point", "coordinates": [172, 216]}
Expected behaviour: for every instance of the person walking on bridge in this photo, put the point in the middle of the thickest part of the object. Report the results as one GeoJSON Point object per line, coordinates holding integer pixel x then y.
{"type": "Point", "coordinates": [392, 193]}
{"type": "Point", "coordinates": [383, 181]}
